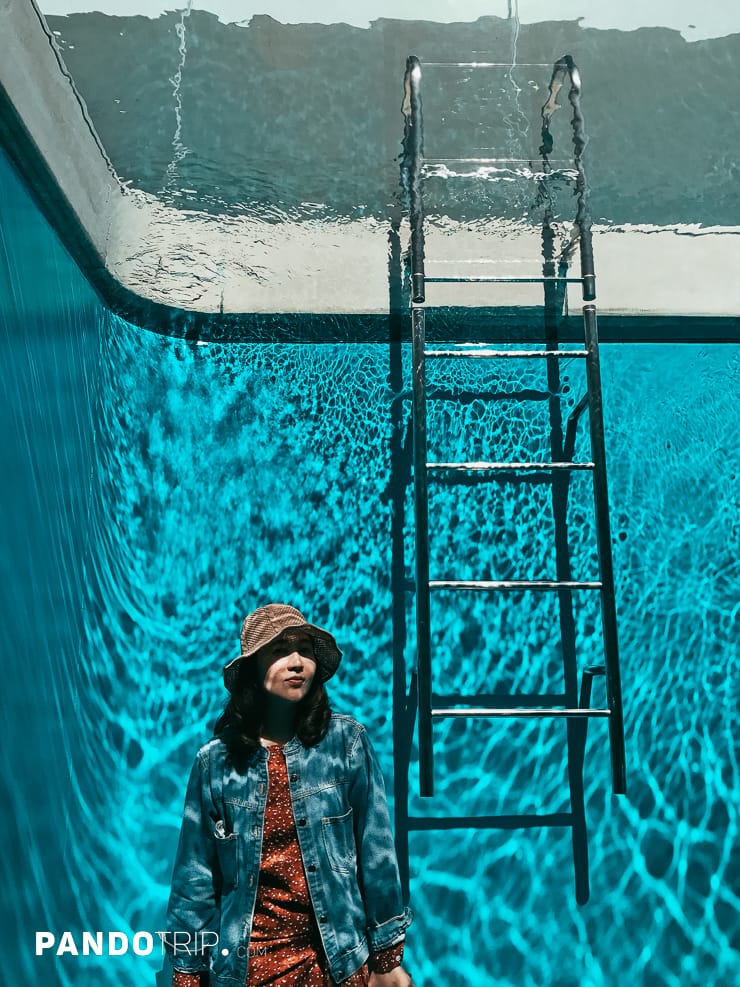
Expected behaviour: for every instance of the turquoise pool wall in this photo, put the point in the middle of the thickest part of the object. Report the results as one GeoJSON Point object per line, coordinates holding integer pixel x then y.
{"type": "Point", "coordinates": [49, 377]}
{"type": "Point", "coordinates": [154, 491]}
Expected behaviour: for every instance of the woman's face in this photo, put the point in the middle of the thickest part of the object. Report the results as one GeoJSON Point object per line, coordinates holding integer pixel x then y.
{"type": "Point", "coordinates": [286, 667]}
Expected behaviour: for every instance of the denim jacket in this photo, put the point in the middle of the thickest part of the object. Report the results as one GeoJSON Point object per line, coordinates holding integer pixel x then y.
{"type": "Point", "coordinates": [345, 838]}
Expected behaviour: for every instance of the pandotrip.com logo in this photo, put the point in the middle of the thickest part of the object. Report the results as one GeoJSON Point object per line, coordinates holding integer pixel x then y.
{"type": "Point", "coordinates": [115, 943]}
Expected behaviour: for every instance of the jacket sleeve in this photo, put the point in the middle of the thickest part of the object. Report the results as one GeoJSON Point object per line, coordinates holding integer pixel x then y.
{"type": "Point", "coordinates": [193, 910]}
{"type": "Point", "coordinates": [377, 863]}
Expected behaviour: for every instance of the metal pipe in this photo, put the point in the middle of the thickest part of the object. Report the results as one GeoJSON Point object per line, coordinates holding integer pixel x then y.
{"type": "Point", "coordinates": [413, 159]}
{"type": "Point", "coordinates": [525, 711]}
{"type": "Point", "coordinates": [423, 633]}
{"type": "Point", "coordinates": [565, 66]}
{"type": "Point", "coordinates": [604, 544]}
{"type": "Point", "coordinates": [584, 700]}
{"type": "Point", "coordinates": [571, 427]}
{"type": "Point", "coordinates": [504, 354]}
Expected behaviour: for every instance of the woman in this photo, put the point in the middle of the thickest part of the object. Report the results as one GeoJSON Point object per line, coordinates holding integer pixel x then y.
{"type": "Point", "coordinates": [286, 872]}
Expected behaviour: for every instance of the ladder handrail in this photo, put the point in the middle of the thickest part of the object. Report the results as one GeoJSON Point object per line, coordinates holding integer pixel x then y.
{"type": "Point", "coordinates": [565, 66]}
{"type": "Point", "coordinates": [413, 160]}
{"type": "Point", "coordinates": [604, 550]}
{"type": "Point", "coordinates": [421, 520]}
{"type": "Point", "coordinates": [411, 172]}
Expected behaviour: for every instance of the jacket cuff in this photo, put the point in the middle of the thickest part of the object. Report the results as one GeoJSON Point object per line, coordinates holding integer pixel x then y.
{"type": "Point", "coordinates": [385, 960]}
{"type": "Point", "coordinates": [389, 932]}
{"type": "Point", "coordinates": [183, 957]}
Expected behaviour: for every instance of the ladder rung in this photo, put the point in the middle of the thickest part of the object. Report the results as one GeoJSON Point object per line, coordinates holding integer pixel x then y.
{"type": "Point", "coordinates": [514, 584]}
{"type": "Point", "coordinates": [512, 354]}
{"type": "Point", "coordinates": [533, 161]}
{"type": "Point", "coordinates": [494, 279]}
{"type": "Point", "coordinates": [487, 65]}
{"type": "Point", "coordinates": [497, 467]}
{"type": "Point", "coordinates": [531, 820]}
{"type": "Point", "coordinates": [512, 700]}
{"type": "Point", "coordinates": [466, 397]}
{"type": "Point", "coordinates": [521, 711]}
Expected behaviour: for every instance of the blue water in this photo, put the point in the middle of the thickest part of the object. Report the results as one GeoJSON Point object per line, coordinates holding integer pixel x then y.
{"type": "Point", "coordinates": [154, 491]}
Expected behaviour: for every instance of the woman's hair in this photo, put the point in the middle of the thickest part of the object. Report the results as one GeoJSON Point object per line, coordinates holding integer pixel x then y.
{"type": "Point", "coordinates": [240, 722]}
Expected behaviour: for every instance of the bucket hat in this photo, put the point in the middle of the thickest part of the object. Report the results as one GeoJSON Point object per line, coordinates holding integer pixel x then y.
{"type": "Point", "coordinates": [266, 624]}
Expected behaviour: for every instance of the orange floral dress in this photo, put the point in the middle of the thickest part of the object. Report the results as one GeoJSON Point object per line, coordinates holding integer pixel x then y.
{"type": "Point", "coordinates": [285, 948]}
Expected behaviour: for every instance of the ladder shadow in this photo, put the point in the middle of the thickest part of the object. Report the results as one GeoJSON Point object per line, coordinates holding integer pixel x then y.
{"type": "Point", "coordinates": [405, 703]}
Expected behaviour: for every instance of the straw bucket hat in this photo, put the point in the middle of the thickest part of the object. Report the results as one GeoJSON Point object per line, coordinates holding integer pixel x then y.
{"type": "Point", "coordinates": [267, 623]}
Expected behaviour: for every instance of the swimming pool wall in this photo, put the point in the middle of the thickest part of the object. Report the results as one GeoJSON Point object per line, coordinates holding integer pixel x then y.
{"type": "Point", "coordinates": [154, 490]}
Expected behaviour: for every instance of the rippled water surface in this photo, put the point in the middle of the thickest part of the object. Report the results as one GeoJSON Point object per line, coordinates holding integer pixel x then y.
{"type": "Point", "coordinates": [303, 121]}
{"type": "Point", "coordinates": [155, 490]}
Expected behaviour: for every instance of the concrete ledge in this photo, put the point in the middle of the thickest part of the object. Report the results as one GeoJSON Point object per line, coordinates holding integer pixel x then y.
{"type": "Point", "coordinates": [45, 127]}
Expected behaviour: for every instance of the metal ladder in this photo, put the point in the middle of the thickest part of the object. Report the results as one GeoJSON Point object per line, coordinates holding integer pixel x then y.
{"type": "Point", "coordinates": [577, 708]}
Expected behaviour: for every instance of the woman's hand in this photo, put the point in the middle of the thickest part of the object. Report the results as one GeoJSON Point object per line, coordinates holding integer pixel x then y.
{"type": "Point", "coordinates": [396, 978]}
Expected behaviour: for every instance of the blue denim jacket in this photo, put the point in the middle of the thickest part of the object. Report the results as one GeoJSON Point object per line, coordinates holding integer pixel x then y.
{"type": "Point", "coordinates": [344, 833]}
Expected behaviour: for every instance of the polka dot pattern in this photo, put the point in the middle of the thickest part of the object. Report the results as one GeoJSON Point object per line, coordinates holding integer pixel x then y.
{"type": "Point", "coordinates": [285, 945]}
{"type": "Point", "coordinates": [180, 979]}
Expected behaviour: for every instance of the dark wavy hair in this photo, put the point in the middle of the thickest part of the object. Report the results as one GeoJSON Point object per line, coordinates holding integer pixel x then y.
{"type": "Point", "coordinates": [239, 724]}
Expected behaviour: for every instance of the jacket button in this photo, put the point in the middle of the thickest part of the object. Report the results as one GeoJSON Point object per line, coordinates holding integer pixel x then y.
{"type": "Point", "coordinates": [322, 918]}
{"type": "Point", "coordinates": [312, 868]}
{"type": "Point", "coordinates": [294, 777]}
{"type": "Point", "coordinates": [301, 822]}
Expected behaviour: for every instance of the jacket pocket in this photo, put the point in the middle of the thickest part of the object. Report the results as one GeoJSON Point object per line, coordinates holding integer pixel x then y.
{"type": "Point", "coordinates": [339, 841]}
{"type": "Point", "coordinates": [227, 850]}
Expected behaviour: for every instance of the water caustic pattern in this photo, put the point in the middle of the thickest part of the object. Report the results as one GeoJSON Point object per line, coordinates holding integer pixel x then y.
{"type": "Point", "coordinates": [664, 862]}
{"type": "Point", "coordinates": [233, 475]}
{"type": "Point", "coordinates": [159, 489]}
{"type": "Point", "coordinates": [504, 528]}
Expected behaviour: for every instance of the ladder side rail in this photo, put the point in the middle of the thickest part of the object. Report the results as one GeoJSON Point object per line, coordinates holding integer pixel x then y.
{"type": "Point", "coordinates": [598, 446]}
{"type": "Point", "coordinates": [604, 546]}
{"type": "Point", "coordinates": [421, 513]}
{"type": "Point", "coordinates": [583, 216]}
{"type": "Point", "coordinates": [411, 171]}
{"type": "Point", "coordinates": [565, 66]}
{"type": "Point", "coordinates": [413, 160]}
{"type": "Point", "coordinates": [571, 427]}
{"type": "Point", "coordinates": [555, 302]}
